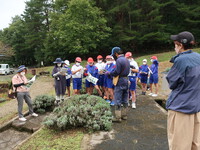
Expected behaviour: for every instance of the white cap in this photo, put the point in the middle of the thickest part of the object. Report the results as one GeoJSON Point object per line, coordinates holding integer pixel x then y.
{"type": "Point", "coordinates": [145, 60]}
{"type": "Point", "coordinates": [67, 62]}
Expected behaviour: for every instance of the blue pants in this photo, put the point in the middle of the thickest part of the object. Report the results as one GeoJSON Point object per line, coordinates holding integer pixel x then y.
{"type": "Point", "coordinates": [121, 92]}
{"type": "Point", "coordinates": [143, 79]}
{"type": "Point", "coordinates": [101, 80]}
{"type": "Point", "coordinates": [68, 82]}
{"type": "Point", "coordinates": [77, 83]}
{"type": "Point", "coordinates": [153, 78]}
{"type": "Point", "coordinates": [132, 86]}
{"type": "Point", "coordinates": [108, 82]}
{"type": "Point", "coordinates": [88, 84]}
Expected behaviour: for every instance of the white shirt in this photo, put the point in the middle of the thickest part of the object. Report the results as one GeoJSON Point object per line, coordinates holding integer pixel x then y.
{"type": "Point", "coordinates": [100, 66]}
{"type": "Point", "coordinates": [133, 63]}
{"type": "Point", "coordinates": [79, 74]}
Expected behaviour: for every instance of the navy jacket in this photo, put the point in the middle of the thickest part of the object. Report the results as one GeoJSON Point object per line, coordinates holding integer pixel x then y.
{"type": "Point", "coordinates": [122, 67]}
{"type": "Point", "coordinates": [184, 81]}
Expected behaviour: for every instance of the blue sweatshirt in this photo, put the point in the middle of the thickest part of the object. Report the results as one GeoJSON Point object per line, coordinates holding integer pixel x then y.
{"type": "Point", "coordinates": [154, 67]}
{"type": "Point", "coordinates": [144, 68]}
{"type": "Point", "coordinates": [184, 81]}
{"type": "Point", "coordinates": [93, 70]}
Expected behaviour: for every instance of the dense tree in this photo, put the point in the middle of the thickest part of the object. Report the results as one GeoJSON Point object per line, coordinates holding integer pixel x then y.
{"type": "Point", "coordinates": [78, 30]}
{"type": "Point", "coordinates": [36, 18]}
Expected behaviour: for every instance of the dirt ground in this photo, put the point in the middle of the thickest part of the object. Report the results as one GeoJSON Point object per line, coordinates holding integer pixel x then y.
{"type": "Point", "coordinates": [42, 85]}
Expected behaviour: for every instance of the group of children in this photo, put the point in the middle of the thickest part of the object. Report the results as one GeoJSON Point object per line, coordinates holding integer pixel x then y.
{"type": "Point", "coordinates": [101, 71]}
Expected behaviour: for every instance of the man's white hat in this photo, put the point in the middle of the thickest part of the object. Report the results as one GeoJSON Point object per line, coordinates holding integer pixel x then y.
{"type": "Point", "coordinates": [67, 62]}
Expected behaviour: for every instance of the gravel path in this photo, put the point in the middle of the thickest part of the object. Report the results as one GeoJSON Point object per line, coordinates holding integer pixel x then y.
{"type": "Point", "coordinates": [42, 85]}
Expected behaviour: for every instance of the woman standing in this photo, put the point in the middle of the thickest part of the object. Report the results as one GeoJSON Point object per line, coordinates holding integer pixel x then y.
{"type": "Point", "coordinates": [19, 82]}
{"type": "Point", "coordinates": [59, 74]}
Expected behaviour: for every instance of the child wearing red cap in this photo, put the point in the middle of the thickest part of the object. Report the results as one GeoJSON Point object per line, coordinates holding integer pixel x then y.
{"type": "Point", "coordinates": [93, 70]}
{"type": "Point", "coordinates": [101, 67]}
{"type": "Point", "coordinates": [77, 74]}
{"type": "Point", "coordinates": [154, 76]}
{"type": "Point", "coordinates": [134, 69]}
{"type": "Point", "coordinates": [108, 81]}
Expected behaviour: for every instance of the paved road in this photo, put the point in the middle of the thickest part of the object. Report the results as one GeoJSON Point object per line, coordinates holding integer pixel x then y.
{"type": "Point", "coordinates": [145, 129]}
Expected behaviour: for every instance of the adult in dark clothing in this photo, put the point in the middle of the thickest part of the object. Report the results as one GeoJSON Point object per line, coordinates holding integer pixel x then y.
{"type": "Point", "coordinates": [183, 103]}
{"type": "Point", "coordinates": [121, 88]}
{"type": "Point", "coordinates": [59, 74]}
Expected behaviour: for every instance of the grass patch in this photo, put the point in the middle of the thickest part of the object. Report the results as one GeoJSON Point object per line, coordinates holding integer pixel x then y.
{"type": "Point", "coordinates": [7, 118]}
{"type": "Point", "coordinates": [47, 139]}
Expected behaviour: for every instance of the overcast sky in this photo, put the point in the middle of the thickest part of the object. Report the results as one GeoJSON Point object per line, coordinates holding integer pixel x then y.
{"type": "Point", "coordinates": [9, 9]}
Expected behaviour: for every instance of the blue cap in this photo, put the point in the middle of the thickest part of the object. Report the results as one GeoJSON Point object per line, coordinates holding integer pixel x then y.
{"type": "Point", "coordinates": [115, 50]}
{"type": "Point", "coordinates": [21, 68]}
{"type": "Point", "coordinates": [58, 61]}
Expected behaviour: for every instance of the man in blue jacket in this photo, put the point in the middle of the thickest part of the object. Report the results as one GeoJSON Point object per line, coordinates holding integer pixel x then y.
{"type": "Point", "coordinates": [183, 103]}
{"type": "Point", "coordinates": [121, 89]}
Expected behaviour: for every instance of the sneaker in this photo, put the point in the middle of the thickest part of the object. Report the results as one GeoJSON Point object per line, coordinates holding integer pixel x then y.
{"type": "Point", "coordinates": [133, 105]}
{"type": "Point", "coordinates": [154, 95]}
{"type": "Point", "coordinates": [150, 94]}
{"type": "Point", "coordinates": [108, 101]}
{"type": "Point", "coordinates": [34, 114]}
{"type": "Point", "coordinates": [22, 119]}
{"type": "Point", "coordinates": [112, 103]}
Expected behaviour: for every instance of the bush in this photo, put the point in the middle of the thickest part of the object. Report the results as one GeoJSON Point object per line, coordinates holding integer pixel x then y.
{"type": "Point", "coordinates": [88, 111]}
{"type": "Point", "coordinates": [42, 103]}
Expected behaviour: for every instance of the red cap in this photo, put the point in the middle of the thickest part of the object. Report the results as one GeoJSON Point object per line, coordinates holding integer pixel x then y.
{"type": "Point", "coordinates": [78, 59]}
{"type": "Point", "coordinates": [99, 57]}
{"type": "Point", "coordinates": [90, 60]}
{"type": "Point", "coordinates": [154, 57]}
{"type": "Point", "coordinates": [128, 54]}
{"type": "Point", "coordinates": [108, 57]}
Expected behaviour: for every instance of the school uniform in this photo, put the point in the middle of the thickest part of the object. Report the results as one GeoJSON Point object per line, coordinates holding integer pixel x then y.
{"type": "Point", "coordinates": [68, 76]}
{"type": "Point", "coordinates": [77, 77]}
{"type": "Point", "coordinates": [144, 75]}
{"type": "Point", "coordinates": [132, 76]}
{"type": "Point", "coordinates": [154, 75]}
{"type": "Point", "coordinates": [100, 67]}
{"type": "Point", "coordinates": [93, 70]}
{"type": "Point", "coordinates": [108, 80]}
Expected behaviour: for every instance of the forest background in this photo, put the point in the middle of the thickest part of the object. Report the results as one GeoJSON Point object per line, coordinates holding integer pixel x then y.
{"type": "Point", "coordinates": [48, 29]}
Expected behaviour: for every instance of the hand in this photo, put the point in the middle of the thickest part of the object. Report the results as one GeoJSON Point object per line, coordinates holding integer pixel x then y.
{"type": "Point", "coordinates": [107, 73]}
{"type": "Point", "coordinates": [30, 81]}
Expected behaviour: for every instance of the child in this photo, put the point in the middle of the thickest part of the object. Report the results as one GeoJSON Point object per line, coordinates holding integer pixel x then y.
{"type": "Point", "coordinates": [154, 76]}
{"type": "Point", "coordinates": [59, 78]}
{"type": "Point", "coordinates": [134, 69]}
{"type": "Point", "coordinates": [93, 70]}
{"type": "Point", "coordinates": [143, 70]}
{"type": "Point", "coordinates": [108, 81]}
{"type": "Point", "coordinates": [100, 66]}
{"type": "Point", "coordinates": [68, 76]}
{"type": "Point", "coordinates": [77, 74]}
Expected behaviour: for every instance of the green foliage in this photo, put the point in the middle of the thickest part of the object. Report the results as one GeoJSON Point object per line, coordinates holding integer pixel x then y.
{"type": "Point", "coordinates": [78, 30]}
{"type": "Point", "coordinates": [90, 112]}
{"type": "Point", "coordinates": [42, 103]}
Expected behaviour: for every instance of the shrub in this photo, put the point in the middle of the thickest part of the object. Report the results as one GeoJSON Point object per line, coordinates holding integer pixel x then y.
{"type": "Point", "coordinates": [88, 111]}
{"type": "Point", "coordinates": [42, 103]}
